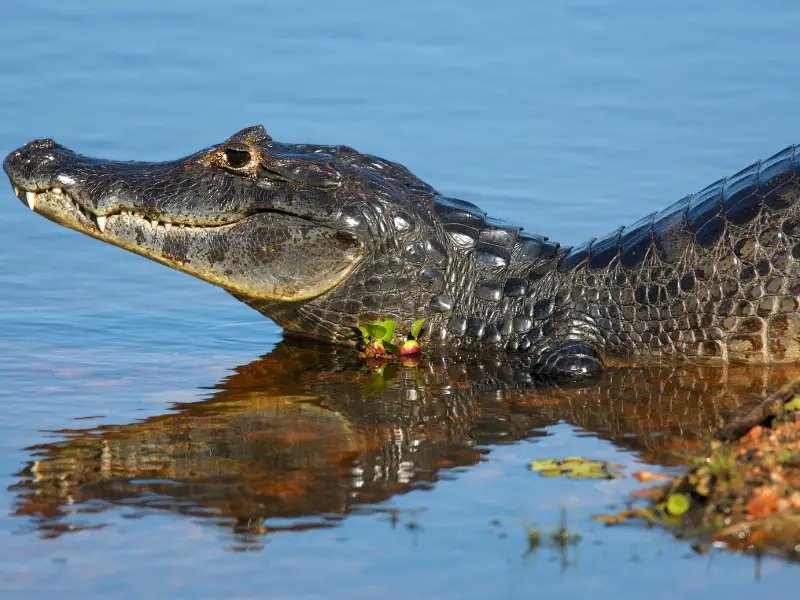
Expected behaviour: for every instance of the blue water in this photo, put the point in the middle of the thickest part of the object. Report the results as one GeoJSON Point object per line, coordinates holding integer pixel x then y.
{"type": "Point", "coordinates": [569, 117]}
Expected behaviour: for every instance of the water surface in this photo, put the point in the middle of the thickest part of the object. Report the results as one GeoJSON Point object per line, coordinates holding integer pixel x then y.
{"type": "Point", "coordinates": [154, 440]}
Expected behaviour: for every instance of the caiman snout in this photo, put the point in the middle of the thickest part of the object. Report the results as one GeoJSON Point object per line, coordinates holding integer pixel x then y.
{"type": "Point", "coordinates": [39, 165]}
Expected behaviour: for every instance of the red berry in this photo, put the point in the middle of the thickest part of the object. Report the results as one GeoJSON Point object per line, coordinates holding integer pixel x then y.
{"type": "Point", "coordinates": [408, 348]}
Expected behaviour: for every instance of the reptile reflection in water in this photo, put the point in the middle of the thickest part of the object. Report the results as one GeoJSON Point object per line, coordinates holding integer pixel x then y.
{"type": "Point", "coordinates": [306, 435]}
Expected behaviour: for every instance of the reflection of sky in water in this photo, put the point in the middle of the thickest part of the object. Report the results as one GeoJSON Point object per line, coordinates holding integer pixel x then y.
{"type": "Point", "coordinates": [572, 118]}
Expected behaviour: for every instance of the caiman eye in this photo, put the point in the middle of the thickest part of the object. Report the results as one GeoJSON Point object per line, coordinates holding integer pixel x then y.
{"type": "Point", "coordinates": [237, 158]}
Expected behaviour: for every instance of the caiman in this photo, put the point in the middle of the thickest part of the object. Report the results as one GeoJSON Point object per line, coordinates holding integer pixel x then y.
{"type": "Point", "coordinates": [324, 238]}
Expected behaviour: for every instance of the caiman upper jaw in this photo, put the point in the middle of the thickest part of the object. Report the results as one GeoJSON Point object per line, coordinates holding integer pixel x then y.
{"type": "Point", "coordinates": [100, 189]}
{"type": "Point", "coordinates": [86, 215]}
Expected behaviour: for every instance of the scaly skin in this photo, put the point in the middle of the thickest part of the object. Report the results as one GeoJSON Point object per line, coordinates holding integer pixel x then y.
{"type": "Point", "coordinates": [321, 238]}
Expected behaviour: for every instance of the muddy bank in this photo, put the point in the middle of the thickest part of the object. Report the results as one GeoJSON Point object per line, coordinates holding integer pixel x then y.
{"type": "Point", "coordinates": [742, 490]}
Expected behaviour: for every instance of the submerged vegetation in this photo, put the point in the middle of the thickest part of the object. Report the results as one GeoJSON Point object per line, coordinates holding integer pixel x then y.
{"type": "Point", "coordinates": [562, 538]}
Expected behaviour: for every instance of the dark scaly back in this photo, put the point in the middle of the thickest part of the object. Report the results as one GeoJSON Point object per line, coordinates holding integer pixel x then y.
{"type": "Point", "coordinates": [714, 275]}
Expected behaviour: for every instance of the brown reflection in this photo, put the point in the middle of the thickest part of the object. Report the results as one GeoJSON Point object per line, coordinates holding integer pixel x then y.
{"type": "Point", "coordinates": [308, 434]}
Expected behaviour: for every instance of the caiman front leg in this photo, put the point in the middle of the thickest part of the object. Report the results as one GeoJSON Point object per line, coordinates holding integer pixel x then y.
{"type": "Point", "coordinates": [568, 361]}
{"type": "Point", "coordinates": [571, 353]}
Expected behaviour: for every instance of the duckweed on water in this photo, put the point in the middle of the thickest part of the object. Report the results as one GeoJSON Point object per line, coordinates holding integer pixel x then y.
{"type": "Point", "coordinates": [575, 467]}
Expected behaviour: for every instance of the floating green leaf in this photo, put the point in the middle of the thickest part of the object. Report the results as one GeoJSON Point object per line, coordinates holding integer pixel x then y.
{"type": "Point", "coordinates": [575, 467]}
{"type": "Point", "coordinates": [382, 332]}
{"type": "Point", "coordinates": [388, 327]}
{"type": "Point", "coordinates": [376, 331]}
{"type": "Point", "coordinates": [416, 327]}
{"type": "Point", "coordinates": [678, 504]}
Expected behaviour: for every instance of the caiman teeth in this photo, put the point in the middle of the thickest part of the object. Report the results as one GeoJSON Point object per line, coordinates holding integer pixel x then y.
{"type": "Point", "coordinates": [32, 199]}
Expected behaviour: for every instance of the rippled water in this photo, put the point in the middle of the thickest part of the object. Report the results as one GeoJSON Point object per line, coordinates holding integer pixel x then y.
{"type": "Point", "coordinates": [154, 440]}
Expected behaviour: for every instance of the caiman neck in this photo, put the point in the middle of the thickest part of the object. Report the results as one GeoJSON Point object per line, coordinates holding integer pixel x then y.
{"type": "Point", "coordinates": [497, 289]}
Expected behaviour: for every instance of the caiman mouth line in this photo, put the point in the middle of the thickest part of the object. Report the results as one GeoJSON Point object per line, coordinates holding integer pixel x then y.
{"type": "Point", "coordinates": [100, 221]}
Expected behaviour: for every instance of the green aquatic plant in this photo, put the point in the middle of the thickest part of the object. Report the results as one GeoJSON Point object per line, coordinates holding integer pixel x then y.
{"type": "Point", "coordinates": [792, 405]}
{"type": "Point", "coordinates": [677, 504]}
{"type": "Point", "coordinates": [378, 338]}
{"type": "Point", "coordinates": [575, 467]}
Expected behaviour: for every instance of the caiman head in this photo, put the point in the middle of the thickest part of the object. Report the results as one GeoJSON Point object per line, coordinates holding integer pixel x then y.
{"type": "Point", "coordinates": [311, 236]}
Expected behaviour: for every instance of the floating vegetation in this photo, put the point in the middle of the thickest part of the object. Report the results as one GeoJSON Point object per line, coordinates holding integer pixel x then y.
{"type": "Point", "coordinates": [677, 504]}
{"type": "Point", "coordinates": [378, 339]}
{"type": "Point", "coordinates": [575, 467]}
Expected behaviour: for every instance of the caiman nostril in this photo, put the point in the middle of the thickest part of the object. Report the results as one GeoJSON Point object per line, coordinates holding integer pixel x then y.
{"type": "Point", "coordinates": [43, 144]}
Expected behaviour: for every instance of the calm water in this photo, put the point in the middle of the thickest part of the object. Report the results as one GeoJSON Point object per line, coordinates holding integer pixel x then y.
{"type": "Point", "coordinates": [156, 440]}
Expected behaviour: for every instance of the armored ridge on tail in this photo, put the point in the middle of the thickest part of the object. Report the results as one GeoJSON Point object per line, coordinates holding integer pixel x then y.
{"type": "Point", "coordinates": [322, 238]}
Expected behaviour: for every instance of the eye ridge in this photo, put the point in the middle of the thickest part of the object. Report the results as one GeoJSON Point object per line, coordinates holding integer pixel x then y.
{"type": "Point", "coordinates": [237, 158]}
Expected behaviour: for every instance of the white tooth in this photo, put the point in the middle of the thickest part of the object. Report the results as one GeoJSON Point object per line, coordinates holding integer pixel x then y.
{"type": "Point", "coordinates": [16, 191]}
{"type": "Point", "coordinates": [101, 223]}
{"type": "Point", "coordinates": [154, 223]}
{"type": "Point", "coordinates": [167, 226]}
{"type": "Point", "coordinates": [57, 191]}
{"type": "Point", "coordinates": [30, 198]}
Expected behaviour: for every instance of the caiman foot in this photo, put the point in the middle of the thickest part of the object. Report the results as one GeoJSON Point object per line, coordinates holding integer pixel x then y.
{"type": "Point", "coordinates": [570, 361]}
